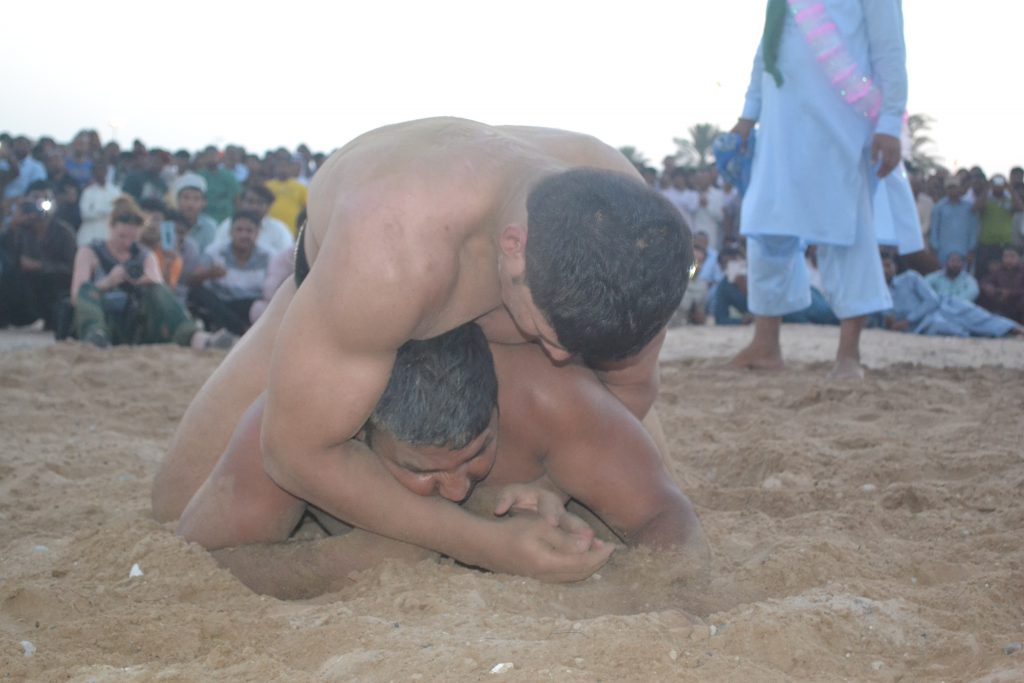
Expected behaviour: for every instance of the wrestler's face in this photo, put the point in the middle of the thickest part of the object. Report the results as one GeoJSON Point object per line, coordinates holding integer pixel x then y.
{"type": "Point", "coordinates": [437, 470]}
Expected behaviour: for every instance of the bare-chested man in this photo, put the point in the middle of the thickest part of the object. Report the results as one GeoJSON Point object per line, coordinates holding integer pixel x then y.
{"type": "Point", "coordinates": [538, 235]}
{"type": "Point", "coordinates": [445, 423]}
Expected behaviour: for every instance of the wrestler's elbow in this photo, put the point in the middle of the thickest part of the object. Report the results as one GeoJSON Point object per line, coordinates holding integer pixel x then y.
{"type": "Point", "coordinates": [672, 524]}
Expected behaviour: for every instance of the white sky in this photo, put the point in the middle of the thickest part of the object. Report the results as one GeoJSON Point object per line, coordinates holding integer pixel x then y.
{"type": "Point", "coordinates": [265, 74]}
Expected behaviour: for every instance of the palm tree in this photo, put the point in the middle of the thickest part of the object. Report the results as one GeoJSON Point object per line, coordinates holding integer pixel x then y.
{"type": "Point", "coordinates": [635, 156]}
{"type": "Point", "coordinates": [922, 159]}
{"type": "Point", "coordinates": [698, 147]}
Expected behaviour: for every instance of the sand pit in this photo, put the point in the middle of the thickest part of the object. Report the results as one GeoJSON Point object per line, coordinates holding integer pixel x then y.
{"type": "Point", "coordinates": [860, 533]}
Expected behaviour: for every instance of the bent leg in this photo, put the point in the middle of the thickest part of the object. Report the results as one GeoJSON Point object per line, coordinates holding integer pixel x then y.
{"type": "Point", "coordinates": [211, 417]}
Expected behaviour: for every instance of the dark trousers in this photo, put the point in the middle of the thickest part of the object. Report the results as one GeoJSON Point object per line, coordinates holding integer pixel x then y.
{"type": "Point", "coordinates": [727, 295]}
{"type": "Point", "coordinates": [27, 296]}
{"type": "Point", "coordinates": [217, 313]}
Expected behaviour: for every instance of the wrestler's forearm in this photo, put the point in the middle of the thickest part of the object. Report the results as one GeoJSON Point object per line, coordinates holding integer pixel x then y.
{"type": "Point", "coordinates": [350, 483]}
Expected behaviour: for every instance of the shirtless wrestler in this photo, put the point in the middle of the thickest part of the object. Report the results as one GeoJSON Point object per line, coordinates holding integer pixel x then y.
{"type": "Point", "coordinates": [413, 230]}
{"type": "Point", "coordinates": [444, 424]}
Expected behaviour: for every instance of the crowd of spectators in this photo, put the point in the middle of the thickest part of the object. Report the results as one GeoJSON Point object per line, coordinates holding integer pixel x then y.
{"type": "Point", "coordinates": [144, 245]}
{"type": "Point", "coordinates": [973, 230]}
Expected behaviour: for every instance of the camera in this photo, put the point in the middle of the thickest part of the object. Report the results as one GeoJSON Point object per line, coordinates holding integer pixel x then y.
{"type": "Point", "coordinates": [133, 267]}
{"type": "Point", "coordinates": [37, 208]}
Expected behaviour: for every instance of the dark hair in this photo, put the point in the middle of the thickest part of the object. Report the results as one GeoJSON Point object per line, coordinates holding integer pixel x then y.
{"type": "Point", "coordinates": [442, 391]}
{"type": "Point", "coordinates": [606, 261]}
{"type": "Point", "coordinates": [727, 254]}
{"type": "Point", "coordinates": [39, 186]}
{"type": "Point", "coordinates": [261, 191]}
{"type": "Point", "coordinates": [174, 216]}
{"type": "Point", "coordinates": [153, 204]}
{"type": "Point", "coordinates": [250, 216]}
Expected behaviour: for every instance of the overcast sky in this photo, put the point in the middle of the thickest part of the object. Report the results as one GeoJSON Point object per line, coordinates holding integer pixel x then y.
{"type": "Point", "coordinates": [637, 73]}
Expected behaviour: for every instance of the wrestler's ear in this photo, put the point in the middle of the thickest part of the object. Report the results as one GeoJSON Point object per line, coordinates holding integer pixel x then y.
{"type": "Point", "coordinates": [513, 241]}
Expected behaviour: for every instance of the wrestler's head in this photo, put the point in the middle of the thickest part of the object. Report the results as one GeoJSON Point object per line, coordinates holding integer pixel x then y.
{"type": "Point", "coordinates": [600, 268]}
{"type": "Point", "coordinates": [435, 427]}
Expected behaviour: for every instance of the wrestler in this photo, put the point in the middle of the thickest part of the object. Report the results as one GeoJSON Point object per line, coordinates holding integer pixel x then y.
{"type": "Point", "coordinates": [538, 235]}
{"type": "Point", "coordinates": [438, 431]}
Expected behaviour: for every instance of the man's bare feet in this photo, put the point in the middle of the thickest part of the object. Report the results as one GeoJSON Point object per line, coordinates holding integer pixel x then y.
{"type": "Point", "coordinates": [847, 370]}
{"type": "Point", "coordinates": [757, 357]}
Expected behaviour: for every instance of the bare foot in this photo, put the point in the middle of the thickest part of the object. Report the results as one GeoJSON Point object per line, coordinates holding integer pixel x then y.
{"type": "Point", "coordinates": [847, 370]}
{"type": "Point", "coordinates": [757, 357]}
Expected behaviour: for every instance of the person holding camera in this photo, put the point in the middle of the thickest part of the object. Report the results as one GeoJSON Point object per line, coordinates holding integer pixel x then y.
{"type": "Point", "coordinates": [36, 254]}
{"type": "Point", "coordinates": [119, 295]}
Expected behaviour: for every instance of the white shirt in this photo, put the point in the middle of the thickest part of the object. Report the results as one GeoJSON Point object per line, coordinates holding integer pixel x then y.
{"type": "Point", "coordinates": [274, 236]}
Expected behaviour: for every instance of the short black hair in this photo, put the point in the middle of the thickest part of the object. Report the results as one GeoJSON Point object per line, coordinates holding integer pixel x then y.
{"type": "Point", "coordinates": [174, 216]}
{"type": "Point", "coordinates": [39, 185]}
{"type": "Point", "coordinates": [606, 261]}
{"type": "Point", "coordinates": [260, 190]}
{"type": "Point", "coordinates": [442, 392]}
{"type": "Point", "coordinates": [250, 216]}
{"type": "Point", "coordinates": [153, 204]}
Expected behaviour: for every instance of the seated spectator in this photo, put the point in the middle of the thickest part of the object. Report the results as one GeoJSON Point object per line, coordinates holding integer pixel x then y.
{"type": "Point", "coordinates": [275, 236]}
{"type": "Point", "coordinates": [190, 196]}
{"type": "Point", "coordinates": [281, 268]}
{"type": "Point", "coordinates": [152, 237]}
{"type": "Point", "coordinates": [229, 290]}
{"type": "Point", "coordinates": [730, 296]}
{"type": "Point", "coordinates": [954, 280]}
{"type": "Point", "coordinates": [119, 295]}
{"type": "Point", "coordinates": [918, 309]}
{"type": "Point", "coordinates": [147, 180]}
{"type": "Point", "coordinates": [1003, 288]}
{"type": "Point", "coordinates": [36, 255]}
{"type": "Point", "coordinates": [18, 169]}
{"type": "Point", "coordinates": [192, 268]}
{"type": "Point", "coordinates": [96, 205]}
{"type": "Point", "coordinates": [289, 194]}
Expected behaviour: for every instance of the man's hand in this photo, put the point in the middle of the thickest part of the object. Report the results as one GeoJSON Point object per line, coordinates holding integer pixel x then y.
{"type": "Point", "coordinates": [530, 546]}
{"type": "Point", "coordinates": [548, 504]}
{"type": "Point", "coordinates": [743, 128]}
{"type": "Point", "coordinates": [887, 149]}
{"type": "Point", "coordinates": [115, 277]}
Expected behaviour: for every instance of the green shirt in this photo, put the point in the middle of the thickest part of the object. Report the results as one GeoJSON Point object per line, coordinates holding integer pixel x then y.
{"type": "Point", "coordinates": [996, 222]}
{"type": "Point", "coordinates": [221, 188]}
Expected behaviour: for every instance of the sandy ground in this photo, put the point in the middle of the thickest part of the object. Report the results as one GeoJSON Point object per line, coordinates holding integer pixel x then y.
{"type": "Point", "coordinates": [860, 533]}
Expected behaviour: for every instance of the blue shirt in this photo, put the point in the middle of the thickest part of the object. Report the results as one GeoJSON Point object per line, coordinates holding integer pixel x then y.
{"type": "Point", "coordinates": [963, 286]}
{"type": "Point", "coordinates": [954, 228]}
{"type": "Point", "coordinates": [29, 171]}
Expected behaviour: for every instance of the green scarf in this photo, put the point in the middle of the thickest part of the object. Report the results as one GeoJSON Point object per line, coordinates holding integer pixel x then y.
{"type": "Point", "coordinates": [774, 20]}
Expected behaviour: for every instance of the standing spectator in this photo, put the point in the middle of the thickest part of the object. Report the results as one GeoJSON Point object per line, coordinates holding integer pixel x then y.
{"type": "Point", "coordinates": [18, 169]}
{"type": "Point", "coordinates": [234, 157]}
{"type": "Point", "coordinates": [708, 211]}
{"type": "Point", "coordinates": [221, 185]}
{"type": "Point", "coordinates": [274, 235]}
{"type": "Point", "coordinates": [823, 195]}
{"type": "Point", "coordinates": [224, 299]}
{"type": "Point", "coordinates": [37, 251]}
{"type": "Point", "coordinates": [954, 280]}
{"type": "Point", "coordinates": [289, 194]}
{"type": "Point", "coordinates": [924, 202]}
{"type": "Point", "coordinates": [1003, 287]}
{"type": "Point", "coordinates": [954, 225]}
{"type": "Point", "coordinates": [679, 193]}
{"type": "Point", "coordinates": [79, 161]}
{"type": "Point", "coordinates": [96, 205]}
{"type": "Point", "coordinates": [190, 196]}
{"type": "Point", "coordinates": [996, 204]}
{"type": "Point", "coordinates": [65, 187]}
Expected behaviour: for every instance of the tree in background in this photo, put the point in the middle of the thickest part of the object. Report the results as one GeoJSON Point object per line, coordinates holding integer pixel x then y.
{"type": "Point", "coordinates": [921, 158]}
{"type": "Point", "coordinates": [635, 156]}
{"type": "Point", "coordinates": [696, 150]}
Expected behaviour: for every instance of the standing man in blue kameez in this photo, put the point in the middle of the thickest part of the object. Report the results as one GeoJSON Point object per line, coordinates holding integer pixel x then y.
{"type": "Point", "coordinates": [823, 167]}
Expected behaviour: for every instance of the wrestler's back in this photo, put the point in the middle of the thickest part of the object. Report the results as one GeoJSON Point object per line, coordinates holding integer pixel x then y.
{"type": "Point", "coordinates": [469, 167]}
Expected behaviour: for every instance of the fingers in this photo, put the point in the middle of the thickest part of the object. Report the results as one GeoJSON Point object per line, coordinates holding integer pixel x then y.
{"type": "Point", "coordinates": [550, 507]}
{"type": "Point", "coordinates": [504, 502]}
{"type": "Point", "coordinates": [581, 566]}
{"type": "Point", "coordinates": [574, 525]}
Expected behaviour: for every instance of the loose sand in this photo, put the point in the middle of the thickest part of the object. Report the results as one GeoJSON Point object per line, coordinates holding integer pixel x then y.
{"type": "Point", "coordinates": [860, 533]}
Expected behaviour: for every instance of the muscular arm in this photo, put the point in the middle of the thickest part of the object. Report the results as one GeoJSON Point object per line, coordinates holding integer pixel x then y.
{"type": "Point", "coordinates": [331, 363]}
{"type": "Point", "coordinates": [603, 457]}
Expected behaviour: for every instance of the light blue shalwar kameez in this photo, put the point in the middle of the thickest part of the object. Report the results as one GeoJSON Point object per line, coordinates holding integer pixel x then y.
{"type": "Point", "coordinates": [813, 181]}
{"type": "Point", "coordinates": [942, 314]}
